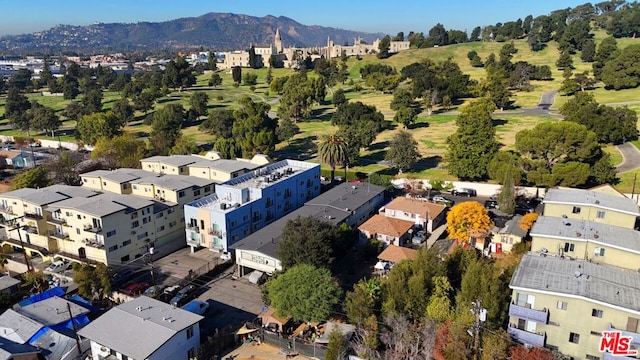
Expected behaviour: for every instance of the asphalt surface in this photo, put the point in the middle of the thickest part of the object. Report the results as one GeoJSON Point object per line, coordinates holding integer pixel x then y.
{"type": "Point", "coordinates": [630, 157]}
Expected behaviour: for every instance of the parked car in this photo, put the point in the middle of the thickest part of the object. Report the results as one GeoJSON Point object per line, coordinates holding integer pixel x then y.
{"type": "Point", "coordinates": [491, 204]}
{"type": "Point", "coordinates": [183, 296]}
{"type": "Point", "coordinates": [135, 288]}
{"type": "Point", "coordinates": [121, 276]}
{"type": "Point", "coordinates": [172, 290]}
{"type": "Point", "coordinates": [154, 291]}
{"type": "Point", "coordinates": [442, 200]}
{"type": "Point", "coordinates": [523, 209]}
{"type": "Point", "coordinates": [419, 237]}
{"type": "Point", "coordinates": [58, 266]}
{"type": "Point", "coordinates": [197, 307]}
{"type": "Point", "coordinates": [463, 192]}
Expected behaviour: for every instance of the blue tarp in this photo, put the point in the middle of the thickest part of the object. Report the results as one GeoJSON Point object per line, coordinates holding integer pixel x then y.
{"type": "Point", "coordinates": [79, 300]}
{"type": "Point", "coordinates": [55, 291]}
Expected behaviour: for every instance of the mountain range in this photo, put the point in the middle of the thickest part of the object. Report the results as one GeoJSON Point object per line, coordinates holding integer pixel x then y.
{"type": "Point", "coordinates": [218, 31]}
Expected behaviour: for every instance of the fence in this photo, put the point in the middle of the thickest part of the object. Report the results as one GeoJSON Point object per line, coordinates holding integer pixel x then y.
{"type": "Point", "coordinates": [304, 348]}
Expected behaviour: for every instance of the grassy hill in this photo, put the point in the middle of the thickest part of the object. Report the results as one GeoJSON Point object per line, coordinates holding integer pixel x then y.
{"type": "Point", "coordinates": [430, 131]}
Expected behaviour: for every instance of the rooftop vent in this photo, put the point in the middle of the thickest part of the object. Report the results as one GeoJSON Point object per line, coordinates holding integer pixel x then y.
{"type": "Point", "coordinates": [578, 273]}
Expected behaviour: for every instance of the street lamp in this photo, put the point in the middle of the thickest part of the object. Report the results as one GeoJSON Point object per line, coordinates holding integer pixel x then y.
{"type": "Point", "coordinates": [153, 276]}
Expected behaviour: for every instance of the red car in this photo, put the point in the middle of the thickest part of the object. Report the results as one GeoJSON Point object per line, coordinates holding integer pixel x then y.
{"type": "Point", "coordinates": [135, 289]}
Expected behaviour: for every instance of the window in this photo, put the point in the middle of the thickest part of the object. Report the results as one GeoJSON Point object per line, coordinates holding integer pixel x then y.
{"type": "Point", "coordinates": [79, 217]}
{"type": "Point", "coordinates": [68, 213]}
{"type": "Point", "coordinates": [207, 188]}
{"type": "Point", "coordinates": [592, 357]}
{"type": "Point", "coordinates": [126, 242]}
{"type": "Point", "coordinates": [596, 313]}
{"type": "Point", "coordinates": [113, 248]}
{"type": "Point", "coordinates": [574, 338]}
{"type": "Point", "coordinates": [159, 215]}
{"type": "Point", "coordinates": [189, 332]}
{"type": "Point", "coordinates": [134, 215]}
{"type": "Point", "coordinates": [181, 193]}
{"type": "Point", "coordinates": [576, 210]}
{"type": "Point", "coordinates": [135, 224]}
{"type": "Point", "coordinates": [134, 187]}
{"type": "Point", "coordinates": [598, 251]}
{"type": "Point", "coordinates": [161, 228]}
{"type": "Point", "coordinates": [146, 220]}
{"type": "Point", "coordinates": [569, 247]}
{"type": "Point", "coordinates": [142, 236]}
{"type": "Point", "coordinates": [562, 305]}
{"type": "Point", "coordinates": [196, 192]}
{"type": "Point", "coordinates": [596, 333]}
{"type": "Point", "coordinates": [123, 259]}
{"type": "Point", "coordinates": [172, 224]}
{"type": "Point", "coordinates": [600, 214]}
{"type": "Point", "coordinates": [111, 233]}
{"type": "Point", "coordinates": [171, 211]}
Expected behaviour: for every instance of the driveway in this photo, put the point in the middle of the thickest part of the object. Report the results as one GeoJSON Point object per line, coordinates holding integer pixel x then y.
{"type": "Point", "coordinates": [630, 157]}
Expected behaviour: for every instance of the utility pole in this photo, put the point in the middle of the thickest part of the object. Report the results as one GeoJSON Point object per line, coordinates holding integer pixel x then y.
{"type": "Point", "coordinates": [24, 251]}
{"type": "Point", "coordinates": [75, 331]}
{"type": "Point", "coordinates": [153, 276]}
{"type": "Point", "coordinates": [481, 316]}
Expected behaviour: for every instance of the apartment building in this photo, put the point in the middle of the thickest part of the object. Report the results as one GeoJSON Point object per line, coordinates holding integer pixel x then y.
{"type": "Point", "coordinates": [247, 203]}
{"type": "Point", "coordinates": [422, 213]}
{"type": "Point", "coordinates": [114, 181]}
{"type": "Point", "coordinates": [173, 165]}
{"type": "Point", "coordinates": [593, 206]}
{"type": "Point", "coordinates": [144, 328]}
{"type": "Point", "coordinates": [350, 204]}
{"type": "Point", "coordinates": [566, 305]}
{"type": "Point", "coordinates": [26, 218]}
{"type": "Point", "coordinates": [586, 240]}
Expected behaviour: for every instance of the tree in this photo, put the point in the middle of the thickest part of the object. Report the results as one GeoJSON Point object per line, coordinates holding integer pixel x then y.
{"type": "Point", "coordinates": [63, 168]}
{"type": "Point", "coordinates": [178, 74]}
{"type": "Point", "coordinates": [359, 124]}
{"type": "Point", "coordinates": [363, 302]}
{"type": "Point", "coordinates": [466, 217]}
{"type": "Point", "coordinates": [94, 126]}
{"type": "Point", "coordinates": [438, 35]}
{"type": "Point", "coordinates": [527, 221]}
{"type": "Point", "coordinates": [16, 108]}
{"type": "Point", "coordinates": [304, 292]}
{"type": "Point", "coordinates": [123, 110]}
{"type": "Point", "coordinates": [236, 74]}
{"type": "Point", "coordinates": [495, 87]}
{"type": "Point", "coordinates": [215, 80]}
{"type": "Point", "coordinates": [475, 34]}
{"type": "Point", "coordinates": [185, 146]}
{"type": "Point", "coordinates": [122, 151]}
{"type": "Point", "coordinates": [198, 102]}
{"type": "Point", "coordinates": [553, 151]}
{"type": "Point", "coordinates": [269, 77]}
{"type": "Point", "coordinates": [403, 339]}
{"type": "Point", "coordinates": [33, 178]}
{"type": "Point", "coordinates": [505, 163]}
{"type": "Point", "coordinates": [588, 52]}
{"type": "Point", "coordinates": [405, 116]}
{"type": "Point", "coordinates": [250, 78]}
{"type": "Point", "coordinates": [332, 151]}
{"type": "Point", "coordinates": [254, 60]}
{"type": "Point", "coordinates": [403, 151]}
{"type": "Point", "coordinates": [44, 118]}
{"type": "Point", "coordinates": [338, 98]}
{"type": "Point", "coordinates": [91, 279]}
{"type": "Point", "coordinates": [383, 47]}
{"type": "Point", "coordinates": [621, 72]}
{"type": "Point", "coordinates": [227, 148]}
{"type": "Point", "coordinates": [440, 307]}
{"type": "Point", "coordinates": [21, 79]}
{"type": "Point", "coordinates": [296, 98]}
{"type": "Point", "coordinates": [253, 130]}
{"type": "Point", "coordinates": [166, 127]}
{"type": "Point", "coordinates": [473, 145]}
{"type": "Point", "coordinates": [402, 98]}
{"type": "Point", "coordinates": [607, 50]}
{"type": "Point", "coordinates": [495, 345]}
{"type": "Point", "coordinates": [92, 101]}
{"type": "Point", "coordinates": [212, 62]}
{"type": "Point", "coordinates": [564, 61]}
{"type": "Point", "coordinates": [219, 123]}
{"type": "Point", "coordinates": [337, 346]}
{"type": "Point", "coordinates": [307, 240]}
{"type": "Point", "coordinates": [286, 130]}
{"type": "Point", "coordinates": [507, 195]}
{"type": "Point", "coordinates": [518, 352]}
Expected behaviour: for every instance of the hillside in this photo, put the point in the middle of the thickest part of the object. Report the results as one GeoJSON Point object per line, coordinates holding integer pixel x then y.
{"type": "Point", "coordinates": [220, 31]}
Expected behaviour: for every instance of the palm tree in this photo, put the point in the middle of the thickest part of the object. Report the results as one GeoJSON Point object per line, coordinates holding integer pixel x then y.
{"type": "Point", "coordinates": [332, 151]}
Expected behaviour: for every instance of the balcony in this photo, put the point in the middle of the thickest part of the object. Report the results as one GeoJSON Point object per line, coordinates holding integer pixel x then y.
{"type": "Point", "coordinates": [57, 221]}
{"type": "Point", "coordinates": [6, 209]}
{"type": "Point", "coordinates": [32, 216]}
{"type": "Point", "coordinates": [59, 235]}
{"type": "Point", "coordinates": [635, 336]}
{"type": "Point", "coordinates": [31, 230]}
{"type": "Point", "coordinates": [91, 228]}
{"type": "Point", "coordinates": [526, 337]}
{"type": "Point", "coordinates": [523, 312]}
{"type": "Point", "coordinates": [215, 233]}
{"type": "Point", "coordinates": [610, 356]}
{"type": "Point", "coordinates": [93, 243]}
{"type": "Point", "coordinates": [193, 228]}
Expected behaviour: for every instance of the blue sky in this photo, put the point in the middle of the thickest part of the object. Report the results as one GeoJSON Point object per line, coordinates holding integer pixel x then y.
{"type": "Point", "coordinates": [18, 17]}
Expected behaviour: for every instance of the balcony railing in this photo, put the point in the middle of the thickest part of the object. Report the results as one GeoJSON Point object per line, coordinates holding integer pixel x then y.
{"type": "Point", "coordinates": [91, 228]}
{"type": "Point", "coordinates": [523, 312]}
{"type": "Point", "coordinates": [526, 337]}
{"type": "Point", "coordinates": [57, 221]}
{"type": "Point", "coordinates": [93, 243]}
{"type": "Point", "coordinates": [635, 337]}
{"type": "Point", "coordinates": [59, 235]}
{"type": "Point", "coordinates": [31, 230]}
{"type": "Point", "coordinates": [32, 216]}
{"type": "Point", "coordinates": [193, 228]}
{"type": "Point", "coordinates": [193, 242]}
{"type": "Point", "coordinates": [610, 356]}
{"type": "Point", "coordinates": [215, 233]}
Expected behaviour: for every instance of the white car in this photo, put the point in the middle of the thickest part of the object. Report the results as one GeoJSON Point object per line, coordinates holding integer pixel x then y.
{"type": "Point", "coordinates": [58, 266]}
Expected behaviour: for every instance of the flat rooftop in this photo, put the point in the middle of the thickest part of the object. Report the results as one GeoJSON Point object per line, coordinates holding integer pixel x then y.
{"type": "Point", "coordinates": [105, 204]}
{"type": "Point", "coordinates": [52, 311]}
{"type": "Point", "coordinates": [557, 276]}
{"type": "Point", "coordinates": [118, 175]}
{"type": "Point", "coordinates": [334, 206]}
{"type": "Point", "coordinates": [583, 230]}
{"type": "Point", "coordinates": [173, 160]}
{"type": "Point", "coordinates": [49, 194]}
{"type": "Point", "coordinates": [270, 174]}
{"type": "Point", "coordinates": [591, 198]}
{"type": "Point", "coordinates": [225, 165]}
{"type": "Point", "coordinates": [173, 182]}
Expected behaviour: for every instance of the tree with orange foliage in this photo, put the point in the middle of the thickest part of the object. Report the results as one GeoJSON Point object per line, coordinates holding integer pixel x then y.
{"type": "Point", "coordinates": [527, 221]}
{"type": "Point", "coordinates": [466, 217]}
{"type": "Point", "coordinates": [520, 352]}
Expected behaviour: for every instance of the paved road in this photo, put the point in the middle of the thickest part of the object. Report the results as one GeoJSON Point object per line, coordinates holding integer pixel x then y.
{"type": "Point", "coordinates": [544, 106]}
{"type": "Point", "coordinates": [630, 157]}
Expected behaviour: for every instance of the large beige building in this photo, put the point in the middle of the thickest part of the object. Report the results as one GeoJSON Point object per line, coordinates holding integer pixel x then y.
{"type": "Point", "coordinates": [566, 305]}
{"type": "Point", "coordinates": [582, 276]}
